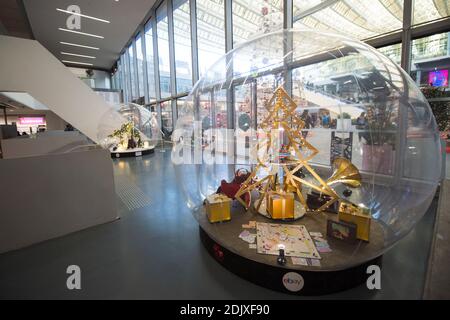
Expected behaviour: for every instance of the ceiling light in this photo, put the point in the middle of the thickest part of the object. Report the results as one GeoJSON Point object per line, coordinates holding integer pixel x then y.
{"type": "Point", "coordinates": [82, 15]}
{"type": "Point", "coordinates": [78, 45]}
{"type": "Point", "coordinates": [82, 33]}
{"type": "Point", "coordinates": [77, 55]}
{"type": "Point", "coordinates": [76, 62]}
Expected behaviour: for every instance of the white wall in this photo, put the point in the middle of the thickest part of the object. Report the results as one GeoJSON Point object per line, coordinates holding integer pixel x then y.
{"type": "Point", "coordinates": [45, 197]}
{"type": "Point", "coordinates": [45, 143]}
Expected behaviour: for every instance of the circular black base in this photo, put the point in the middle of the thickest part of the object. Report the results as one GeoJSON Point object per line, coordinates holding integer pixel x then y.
{"type": "Point", "coordinates": [276, 278]}
{"type": "Point", "coordinates": [131, 153]}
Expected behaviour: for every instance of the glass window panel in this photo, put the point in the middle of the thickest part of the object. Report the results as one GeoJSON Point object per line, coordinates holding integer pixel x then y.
{"type": "Point", "coordinates": [180, 104]}
{"type": "Point", "coordinates": [182, 44]}
{"type": "Point", "coordinates": [140, 65]}
{"type": "Point", "coordinates": [118, 72]}
{"type": "Point", "coordinates": [429, 10]}
{"type": "Point", "coordinates": [133, 82]}
{"type": "Point", "coordinates": [217, 99]}
{"type": "Point", "coordinates": [113, 82]}
{"type": "Point", "coordinates": [220, 100]}
{"type": "Point", "coordinates": [300, 6]}
{"type": "Point", "coordinates": [163, 50]}
{"type": "Point", "coordinates": [126, 76]}
{"type": "Point", "coordinates": [243, 104]}
{"type": "Point", "coordinates": [205, 110]}
{"type": "Point", "coordinates": [122, 78]}
{"type": "Point", "coordinates": [166, 119]}
{"type": "Point", "coordinates": [393, 52]}
{"type": "Point", "coordinates": [356, 18]}
{"type": "Point", "coordinates": [252, 17]}
{"type": "Point", "coordinates": [150, 62]}
{"type": "Point", "coordinates": [210, 32]}
{"type": "Point", "coordinates": [266, 86]}
{"type": "Point", "coordinates": [429, 64]}
{"type": "Point", "coordinates": [347, 80]}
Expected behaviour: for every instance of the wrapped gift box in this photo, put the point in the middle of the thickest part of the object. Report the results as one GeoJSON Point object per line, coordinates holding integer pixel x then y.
{"type": "Point", "coordinates": [280, 205]}
{"type": "Point", "coordinates": [315, 200]}
{"type": "Point", "coordinates": [218, 208]}
{"type": "Point", "coordinates": [350, 213]}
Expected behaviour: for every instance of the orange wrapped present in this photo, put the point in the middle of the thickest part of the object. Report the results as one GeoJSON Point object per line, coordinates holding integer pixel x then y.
{"type": "Point", "coordinates": [218, 208]}
{"type": "Point", "coordinates": [280, 205]}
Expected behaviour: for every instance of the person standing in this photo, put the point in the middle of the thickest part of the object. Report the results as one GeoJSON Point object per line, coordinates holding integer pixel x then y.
{"type": "Point", "coordinates": [325, 120]}
{"type": "Point", "coordinates": [361, 122]}
{"type": "Point", "coordinates": [308, 122]}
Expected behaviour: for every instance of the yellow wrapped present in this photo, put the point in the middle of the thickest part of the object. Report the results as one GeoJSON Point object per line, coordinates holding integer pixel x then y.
{"type": "Point", "coordinates": [280, 205]}
{"type": "Point", "coordinates": [359, 216]}
{"type": "Point", "coordinates": [218, 208]}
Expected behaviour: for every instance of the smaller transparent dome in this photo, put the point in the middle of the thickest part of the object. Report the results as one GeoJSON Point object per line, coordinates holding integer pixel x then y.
{"type": "Point", "coordinates": [135, 127]}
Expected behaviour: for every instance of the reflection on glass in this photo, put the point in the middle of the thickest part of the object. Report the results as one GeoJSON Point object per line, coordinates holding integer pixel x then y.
{"type": "Point", "coordinates": [213, 109]}
{"type": "Point", "coordinates": [252, 17]}
{"type": "Point", "coordinates": [166, 119]}
{"type": "Point", "coordinates": [266, 86]}
{"type": "Point", "coordinates": [350, 82]}
{"type": "Point", "coordinates": [182, 43]}
{"type": "Point", "coordinates": [430, 47]}
{"type": "Point", "coordinates": [394, 52]}
{"type": "Point", "coordinates": [163, 50]}
{"type": "Point", "coordinates": [243, 104]}
{"type": "Point", "coordinates": [119, 76]}
{"type": "Point", "coordinates": [115, 81]}
{"type": "Point", "coordinates": [429, 66]}
{"type": "Point", "coordinates": [356, 18]}
{"type": "Point", "coordinates": [210, 32]}
{"type": "Point", "coordinates": [300, 6]}
{"type": "Point", "coordinates": [205, 110]}
{"type": "Point", "coordinates": [150, 62]}
{"type": "Point", "coordinates": [140, 65]}
{"type": "Point", "coordinates": [133, 82]}
{"type": "Point", "coordinates": [220, 101]}
{"type": "Point", "coordinates": [429, 10]}
{"type": "Point", "coordinates": [180, 104]}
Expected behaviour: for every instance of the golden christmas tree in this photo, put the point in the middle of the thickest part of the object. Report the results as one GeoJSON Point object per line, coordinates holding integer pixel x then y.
{"type": "Point", "coordinates": [283, 120]}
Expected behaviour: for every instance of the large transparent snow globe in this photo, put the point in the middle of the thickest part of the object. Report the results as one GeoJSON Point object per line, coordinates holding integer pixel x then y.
{"type": "Point", "coordinates": [316, 117]}
{"type": "Point", "coordinates": [128, 127]}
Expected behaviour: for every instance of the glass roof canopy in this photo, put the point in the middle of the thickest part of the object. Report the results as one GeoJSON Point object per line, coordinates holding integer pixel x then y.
{"type": "Point", "coordinates": [365, 19]}
{"type": "Point", "coordinates": [352, 16]}
{"type": "Point", "coordinates": [359, 19]}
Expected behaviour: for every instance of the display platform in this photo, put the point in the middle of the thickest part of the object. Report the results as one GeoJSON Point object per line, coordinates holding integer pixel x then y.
{"type": "Point", "coordinates": [334, 274]}
{"type": "Point", "coordinates": [137, 152]}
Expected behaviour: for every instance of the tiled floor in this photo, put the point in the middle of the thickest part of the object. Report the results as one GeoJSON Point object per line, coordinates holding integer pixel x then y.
{"type": "Point", "coordinates": [154, 252]}
{"type": "Point", "coordinates": [438, 281]}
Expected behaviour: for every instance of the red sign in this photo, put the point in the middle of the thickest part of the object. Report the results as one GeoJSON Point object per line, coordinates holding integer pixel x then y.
{"type": "Point", "coordinates": [31, 120]}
